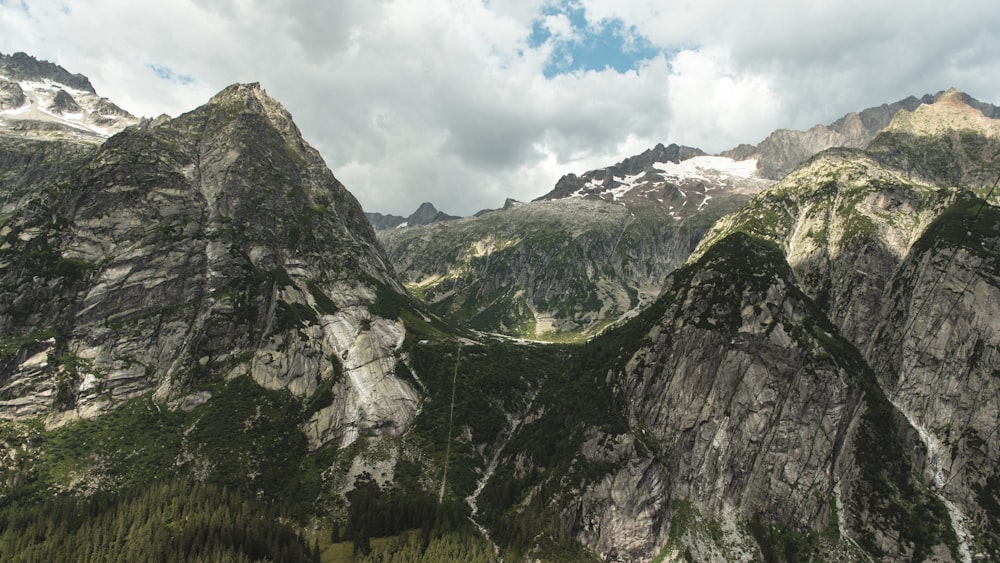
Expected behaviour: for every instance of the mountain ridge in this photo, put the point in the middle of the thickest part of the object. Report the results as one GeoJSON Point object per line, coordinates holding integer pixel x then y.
{"type": "Point", "coordinates": [784, 149]}
{"type": "Point", "coordinates": [39, 99]}
{"type": "Point", "coordinates": [425, 214]}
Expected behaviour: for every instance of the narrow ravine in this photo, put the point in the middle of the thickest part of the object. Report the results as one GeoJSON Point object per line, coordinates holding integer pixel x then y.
{"type": "Point", "coordinates": [937, 454]}
{"type": "Point", "coordinates": [513, 423]}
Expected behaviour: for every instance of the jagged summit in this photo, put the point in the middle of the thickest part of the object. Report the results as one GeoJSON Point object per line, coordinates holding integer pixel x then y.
{"type": "Point", "coordinates": [251, 94]}
{"type": "Point", "coordinates": [950, 139]}
{"type": "Point", "coordinates": [39, 99]}
{"type": "Point", "coordinates": [680, 179]}
{"type": "Point", "coordinates": [252, 98]}
{"type": "Point", "coordinates": [425, 214]}
{"type": "Point", "coordinates": [23, 67]}
{"type": "Point", "coordinates": [949, 111]}
{"type": "Point", "coordinates": [595, 181]}
{"type": "Point", "coordinates": [784, 149]}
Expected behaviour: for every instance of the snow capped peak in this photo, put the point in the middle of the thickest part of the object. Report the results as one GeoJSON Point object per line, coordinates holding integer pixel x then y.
{"type": "Point", "coordinates": [701, 173]}
{"type": "Point", "coordinates": [67, 109]}
{"type": "Point", "coordinates": [683, 183]}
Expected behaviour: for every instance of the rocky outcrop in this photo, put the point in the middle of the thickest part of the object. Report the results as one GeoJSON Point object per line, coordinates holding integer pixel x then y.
{"type": "Point", "coordinates": [214, 244]}
{"type": "Point", "coordinates": [11, 95]}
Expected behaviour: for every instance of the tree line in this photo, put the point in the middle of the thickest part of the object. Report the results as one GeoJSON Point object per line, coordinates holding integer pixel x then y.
{"type": "Point", "coordinates": [177, 520]}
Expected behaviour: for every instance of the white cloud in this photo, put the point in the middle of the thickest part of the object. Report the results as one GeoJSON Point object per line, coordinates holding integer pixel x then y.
{"type": "Point", "coordinates": [560, 27]}
{"type": "Point", "coordinates": [716, 108]}
{"type": "Point", "coordinates": [446, 101]}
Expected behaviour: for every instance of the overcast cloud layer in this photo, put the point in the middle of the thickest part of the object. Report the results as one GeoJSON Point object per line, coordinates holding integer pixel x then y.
{"type": "Point", "coordinates": [467, 102]}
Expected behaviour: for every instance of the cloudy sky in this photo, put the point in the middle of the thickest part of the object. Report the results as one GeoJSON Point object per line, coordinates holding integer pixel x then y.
{"type": "Point", "coordinates": [467, 102]}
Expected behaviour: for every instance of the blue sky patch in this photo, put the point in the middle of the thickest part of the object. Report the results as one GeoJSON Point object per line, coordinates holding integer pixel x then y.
{"type": "Point", "coordinates": [591, 45]}
{"type": "Point", "coordinates": [166, 73]}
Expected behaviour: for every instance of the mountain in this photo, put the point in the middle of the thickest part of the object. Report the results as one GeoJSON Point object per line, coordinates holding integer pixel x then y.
{"type": "Point", "coordinates": [729, 421]}
{"type": "Point", "coordinates": [593, 250]}
{"type": "Point", "coordinates": [905, 270]}
{"type": "Point", "coordinates": [206, 354]}
{"type": "Point", "coordinates": [424, 215]}
{"type": "Point", "coordinates": [196, 318]}
{"type": "Point", "coordinates": [667, 174]}
{"type": "Point", "coordinates": [784, 149]}
{"type": "Point", "coordinates": [41, 99]}
{"type": "Point", "coordinates": [216, 244]}
{"type": "Point", "coordinates": [818, 381]}
{"type": "Point", "coordinates": [953, 141]}
{"type": "Point", "coordinates": [556, 268]}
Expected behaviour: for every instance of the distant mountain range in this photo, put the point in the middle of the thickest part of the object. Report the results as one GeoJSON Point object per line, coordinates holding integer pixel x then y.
{"type": "Point", "coordinates": [772, 159]}
{"type": "Point", "coordinates": [424, 215]}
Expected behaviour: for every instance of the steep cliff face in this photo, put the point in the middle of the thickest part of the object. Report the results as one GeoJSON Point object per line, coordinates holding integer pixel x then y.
{"type": "Point", "coordinates": [213, 244]}
{"type": "Point", "coordinates": [905, 270]}
{"type": "Point", "coordinates": [935, 350]}
{"type": "Point", "coordinates": [729, 421]}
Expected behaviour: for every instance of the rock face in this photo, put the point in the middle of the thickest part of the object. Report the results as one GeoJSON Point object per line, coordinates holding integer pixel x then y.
{"type": "Point", "coordinates": [936, 352]}
{"type": "Point", "coordinates": [906, 271]}
{"type": "Point", "coordinates": [730, 403]}
{"type": "Point", "coordinates": [213, 244]}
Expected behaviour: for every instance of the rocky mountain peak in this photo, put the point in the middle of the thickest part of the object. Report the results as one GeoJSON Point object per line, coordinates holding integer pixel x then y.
{"type": "Point", "coordinates": [252, 98]}
{"type": "Point", "coordinates": [604, 178]}
{"type": "Point", "coordinates": [950, 139]}
{"type": "Point", "coordinates": [41, 100]}
{"type": "Point", "coordinates": [949, 111]}
{"type": "Point", "coordinates": [244, 92]}
{"type": "Point", "coordinates": [21, 66]}
{"type": "Point", "coordinates": [424, 215]}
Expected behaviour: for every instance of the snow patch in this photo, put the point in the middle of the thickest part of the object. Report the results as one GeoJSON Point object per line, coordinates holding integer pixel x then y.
{"type": "Point", "coordinates": [39, 96]}
{"type": "Point", "coordinates": [707, 168]}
